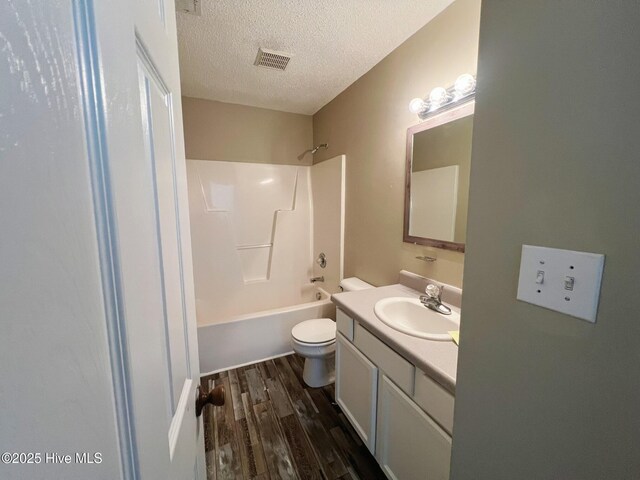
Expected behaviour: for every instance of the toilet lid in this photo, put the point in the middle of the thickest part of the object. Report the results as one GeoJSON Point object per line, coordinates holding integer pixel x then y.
{"type": "Point", "coordinates": [319, 330]}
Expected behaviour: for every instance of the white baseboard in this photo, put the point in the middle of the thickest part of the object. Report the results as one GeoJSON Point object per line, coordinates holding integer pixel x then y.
{"type": "Point", "coordinates": [245, 364]}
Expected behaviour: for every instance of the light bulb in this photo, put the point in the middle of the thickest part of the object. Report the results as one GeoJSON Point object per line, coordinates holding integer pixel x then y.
{"type": "Point", "coordinates": [465, 84]}
{"type": "Point", "coordinates": [437, 97]}
{"type": "Point", "coordinates": [416, 105]}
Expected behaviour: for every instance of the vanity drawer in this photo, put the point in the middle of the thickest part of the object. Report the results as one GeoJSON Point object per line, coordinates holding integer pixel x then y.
{"type": "Point", "coordinates": [392, 364]}
{"type": "Point", "coordinates": [344, 323]}
{"type": "Point", "coordinates": [434, 400]}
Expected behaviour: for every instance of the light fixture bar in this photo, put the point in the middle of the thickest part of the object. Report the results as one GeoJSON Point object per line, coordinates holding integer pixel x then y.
{"type": "Point", "coordinates": [440, 98]}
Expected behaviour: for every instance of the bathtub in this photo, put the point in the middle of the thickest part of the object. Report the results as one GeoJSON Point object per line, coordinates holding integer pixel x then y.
{"type": "Point", "coordinates": [255, 337]}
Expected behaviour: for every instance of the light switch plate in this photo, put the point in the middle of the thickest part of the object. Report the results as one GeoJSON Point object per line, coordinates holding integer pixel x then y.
{"type": "Point", "coordinates": [570, 280]}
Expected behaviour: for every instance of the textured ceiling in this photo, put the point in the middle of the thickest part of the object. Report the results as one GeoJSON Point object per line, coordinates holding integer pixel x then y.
{"type": "Point", "coordinates": [333, 43]}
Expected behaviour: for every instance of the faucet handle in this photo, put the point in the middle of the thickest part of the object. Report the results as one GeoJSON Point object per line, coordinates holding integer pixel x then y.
{"type": "Point", "coordinates": [433, 290]}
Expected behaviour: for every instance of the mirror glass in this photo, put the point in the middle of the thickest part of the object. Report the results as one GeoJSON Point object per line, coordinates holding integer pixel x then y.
{"type": "Point", "coordinates": [437, 184]}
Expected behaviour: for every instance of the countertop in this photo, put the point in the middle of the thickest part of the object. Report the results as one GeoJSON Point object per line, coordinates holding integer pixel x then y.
{"type": "Point", "coordinates": [437, 359]}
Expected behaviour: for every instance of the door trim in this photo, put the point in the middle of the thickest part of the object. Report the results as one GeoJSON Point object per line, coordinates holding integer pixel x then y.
{"type": "Point", "coordinates": [106, 234]}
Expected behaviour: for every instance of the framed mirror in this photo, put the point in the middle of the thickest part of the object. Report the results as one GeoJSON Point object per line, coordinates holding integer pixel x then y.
{"type": "Point", "coordinates": [437, 179]}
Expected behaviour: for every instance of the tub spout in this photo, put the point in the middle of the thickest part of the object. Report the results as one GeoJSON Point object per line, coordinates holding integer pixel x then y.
{"type": "Point", "coordinates": [317, 279]}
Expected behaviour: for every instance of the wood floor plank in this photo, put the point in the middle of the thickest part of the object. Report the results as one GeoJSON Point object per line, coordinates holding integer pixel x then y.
{"type": "Point", "coordinates": [327, 412]}
{"type": "Point", "coordinates": [330, 392]}
{"type": "Point", "coordinates": [226, 467]}
{"type": "Point", "coordinates": [262, 369]}
{"type": "Point", "coordinates": [257, 452]}
{"type": "Point", "coordinates": [279, 462]}
{"type": "Point", "coordinates": [311, 402]}
{"type": "Point", "coordinates": [246, 452]}
{"type": "Point", "coordinates": [235, 395]}
{"type": "Point", "coordinates": [257, 388]}
{"type": "Point", "coordinates": [278, 397]}
{"type": "Point", "coordinates": [296, 367]}
{"type": "Point", "coordinates": [286, 374]}
{"type": "Point", "coordinates": [322, 444]}
{"type": "Point", "coordinates": [357, 456]}
{"type": "Point", "coordinates": [329, 459]}
{"type": "Point", "coordinates": [223, 418]}
{"type": "Point", "coordinates": [210, 458]}
{"type": "Point", "coordinates": [226, 442]}
{"type": "Point", "coordinates": [352, 474]}
{"type": "Point", "coordinates": [208, 420]}
{"type": "Point", "coordinates": [249, 415]}
{"type": "Point", "coordinates": [271, 368]}
{"type": "Point", "coordinates": [304, 459]}
{"type": "Point", "coordinates": [349, 428]}
{"type": "Point", "coordinates": [244, 386]}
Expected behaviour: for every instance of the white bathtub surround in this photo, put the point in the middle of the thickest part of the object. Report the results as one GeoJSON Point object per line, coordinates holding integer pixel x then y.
{"type": "Point", "coordinates": [251, 237]}
{"type": "Point", "coordinates": [254, 337]}
{"type": "Point", "coordinates": [328, 185]}
{"type": "Point", "coordinates": [256, 232]}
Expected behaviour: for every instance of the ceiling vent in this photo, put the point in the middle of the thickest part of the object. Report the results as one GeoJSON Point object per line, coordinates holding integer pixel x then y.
{"type": "Point", "coordinates": [272, 59]}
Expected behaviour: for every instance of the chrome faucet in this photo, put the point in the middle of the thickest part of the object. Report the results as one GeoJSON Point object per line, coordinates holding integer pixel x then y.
{"type": "Point", "coordinates": [317, 279]}
{"type": "Point", "coordinates": [433, 299]}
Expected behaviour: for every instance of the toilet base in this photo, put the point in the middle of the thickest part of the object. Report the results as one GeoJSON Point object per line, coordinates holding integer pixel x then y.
{"type": "Point", "coordinates": [319, 372]}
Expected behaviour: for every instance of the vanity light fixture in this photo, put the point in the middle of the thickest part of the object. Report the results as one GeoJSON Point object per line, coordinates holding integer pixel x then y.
{"type": "Point", "coordinates": [465, 85]}
{"type": "Point", "coordinates": [462, 90]}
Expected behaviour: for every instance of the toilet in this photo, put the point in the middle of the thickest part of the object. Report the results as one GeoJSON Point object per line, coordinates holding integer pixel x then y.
{"type": "Point", "coordinates": [315, 340]}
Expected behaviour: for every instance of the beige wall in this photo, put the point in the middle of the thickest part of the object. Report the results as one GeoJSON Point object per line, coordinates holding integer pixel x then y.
{"type": "Point", "coordinates": [542, 395]}
{"type": "Point", "coordinates": [224, 131]}
{"type": "Point", "coordinates": [368, 122]}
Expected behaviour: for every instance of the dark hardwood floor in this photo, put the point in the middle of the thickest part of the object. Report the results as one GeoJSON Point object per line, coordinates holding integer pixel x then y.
{"type": "Point", "coordinates": [273, 426]}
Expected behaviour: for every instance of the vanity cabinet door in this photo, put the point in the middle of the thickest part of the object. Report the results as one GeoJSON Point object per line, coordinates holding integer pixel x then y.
{"type": "Point", "coordinates": [356, 389]}
{"type": "Point", "coordinates": [410, 445]}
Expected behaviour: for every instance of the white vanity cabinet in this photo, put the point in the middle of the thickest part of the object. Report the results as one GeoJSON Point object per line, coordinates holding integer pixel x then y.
{"type": "Point", "coordinates": [410, 445]}
{"type": "Point", "coordinates": [402, 415]}
{"type": "Point", "coordinates": [357, 389]}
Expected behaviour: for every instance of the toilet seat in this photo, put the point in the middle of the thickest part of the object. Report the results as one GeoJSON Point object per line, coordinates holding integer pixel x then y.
{"type": "Point", "coordinates": [324, 344]}
{"type": "Point", "coordinates": [317, 332]}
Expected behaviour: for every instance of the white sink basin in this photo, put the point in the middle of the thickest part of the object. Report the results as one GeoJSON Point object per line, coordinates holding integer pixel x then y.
{"type": "Point", "coordinates": [408, 315]}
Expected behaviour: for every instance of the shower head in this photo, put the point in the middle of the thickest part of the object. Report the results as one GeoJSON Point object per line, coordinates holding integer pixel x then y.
{"type": "Point", "coordinates": [316, 148]}
{"type": "Point", "coordinates": [313, 150]}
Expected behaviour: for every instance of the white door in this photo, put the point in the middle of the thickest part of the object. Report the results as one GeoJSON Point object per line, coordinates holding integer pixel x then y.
{"type": "Point", "coordinates": [137, 48]}
{"type": "Point", "coordinates": [97, 279]}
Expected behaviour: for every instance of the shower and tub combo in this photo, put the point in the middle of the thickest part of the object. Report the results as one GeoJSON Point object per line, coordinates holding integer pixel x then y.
{"type": "Point", "coordinates": [257, 231]}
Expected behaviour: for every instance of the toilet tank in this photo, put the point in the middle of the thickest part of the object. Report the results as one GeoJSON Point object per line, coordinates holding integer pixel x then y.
{"type": "Point", "coordinates": [352, 284]}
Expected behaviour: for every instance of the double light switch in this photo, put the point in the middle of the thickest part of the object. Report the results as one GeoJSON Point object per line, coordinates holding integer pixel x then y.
{"type": "Point", "coordinates": [561, 280]}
